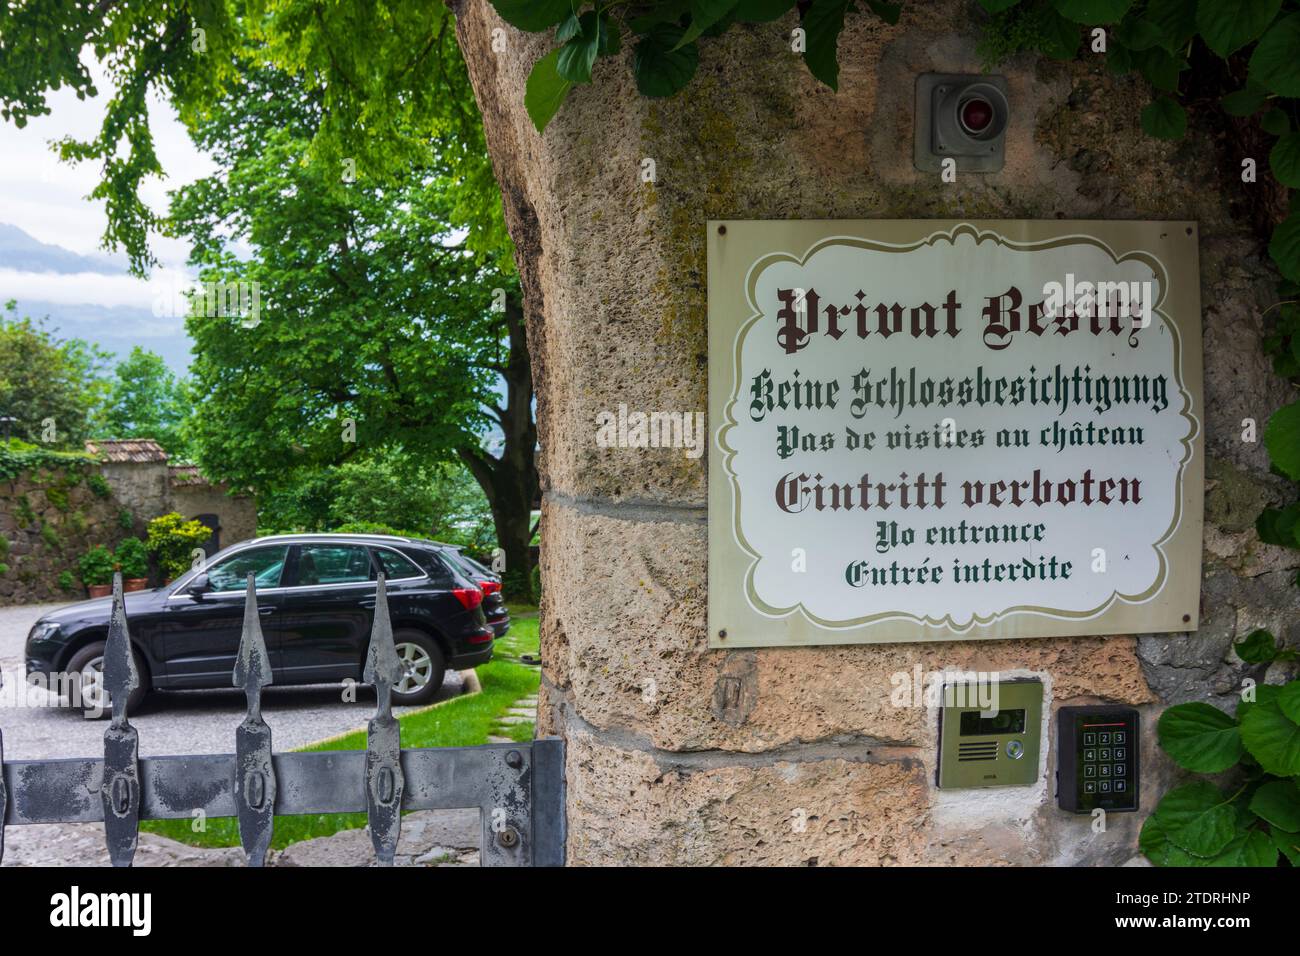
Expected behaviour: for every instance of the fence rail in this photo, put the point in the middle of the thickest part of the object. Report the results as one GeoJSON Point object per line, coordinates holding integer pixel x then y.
{"type": "Point", "coordinates": [518, 788]}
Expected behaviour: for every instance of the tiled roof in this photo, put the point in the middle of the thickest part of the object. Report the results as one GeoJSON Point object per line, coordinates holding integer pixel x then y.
{"type": "Point", "coordinates": [127, 450]}
{"type": "Point", "coordinates": [186, 475]}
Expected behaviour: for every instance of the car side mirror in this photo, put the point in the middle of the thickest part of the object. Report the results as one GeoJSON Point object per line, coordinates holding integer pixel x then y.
{"type": "Point", "coordinates": [198, 585]}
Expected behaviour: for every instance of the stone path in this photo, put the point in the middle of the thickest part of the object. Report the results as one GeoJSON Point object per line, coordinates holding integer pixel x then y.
{"type": "Point", "coordinates": [523, 711]}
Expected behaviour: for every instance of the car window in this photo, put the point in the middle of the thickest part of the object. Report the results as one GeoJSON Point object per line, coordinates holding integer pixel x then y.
{"type": "Point", "coordinates": [395, 565]}
{"type": "Point", "coordinates": [333, 564]}
{"type": "Point", "coordinates": [266, 564]}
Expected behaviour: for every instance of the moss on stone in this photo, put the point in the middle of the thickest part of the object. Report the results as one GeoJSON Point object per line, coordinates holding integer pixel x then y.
{"type": "Point", "coordinates": [1233, 499]}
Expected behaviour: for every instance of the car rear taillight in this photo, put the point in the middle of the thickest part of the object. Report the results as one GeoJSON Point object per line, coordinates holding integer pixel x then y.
{"type": "Point", "coordinates": [470, 598]}
{"type": "Point", "coordinates": [481, 638]}
{"type": "Point", "coordinates": [489, 587]}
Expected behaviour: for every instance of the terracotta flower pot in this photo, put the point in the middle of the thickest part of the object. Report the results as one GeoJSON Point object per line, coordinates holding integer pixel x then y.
{"type": "Point", "coordinates": [135, 584]}
{"type": "Point", "coordinates": [99, 590]}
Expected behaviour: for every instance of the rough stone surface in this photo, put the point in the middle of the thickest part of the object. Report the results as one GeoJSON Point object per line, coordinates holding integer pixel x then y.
{"type": "Point", "coordinates": [613, 273]}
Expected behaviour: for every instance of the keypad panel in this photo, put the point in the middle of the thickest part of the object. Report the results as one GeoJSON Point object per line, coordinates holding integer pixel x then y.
{"type": "Point", "coordinates": [1105, 752]}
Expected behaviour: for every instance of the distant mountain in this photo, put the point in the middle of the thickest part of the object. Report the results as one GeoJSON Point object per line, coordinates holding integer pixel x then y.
{"type": "Point", "coordinates": [22, 253]}
{"type": "Point", "coordinates": [116, 328]}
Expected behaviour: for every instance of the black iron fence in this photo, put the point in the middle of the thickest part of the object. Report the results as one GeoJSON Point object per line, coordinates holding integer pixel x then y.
{"type": "Point", "coordinates": [518, 788]}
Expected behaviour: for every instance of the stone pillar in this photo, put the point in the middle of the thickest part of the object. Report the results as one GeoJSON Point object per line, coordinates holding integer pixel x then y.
{"type": "Point", "coordinates": [682, 755]}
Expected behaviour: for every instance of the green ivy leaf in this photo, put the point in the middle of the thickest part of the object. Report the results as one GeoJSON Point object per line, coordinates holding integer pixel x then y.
{"type": "Point", "coordinates": [545, 91]}
{"type": "Point", "coordinates": [1244, 102]}
{"type": "Point", "coordinates": [1199, 737]}
{"type": "Point", "coordinates": [997, 6]}
{"type": "Point", "coordinates": [1164, 119]}
{"type": "Point", "coordinates": [1154, 844]}
{"type": "Point", "coordinates": [1278, 802]}
{"type": "Point", "coordinates": [1288, 700]}
{"type": "Point", "coordinates": [660, 68]}
{"type": "Point", "coordinates": [823, 22]}
{"type": "Point", "coordinates": [1160, 67]}
{"type": "Point", "coordinates": [1275, 64]}
{"type": "Point", "coordinates": [1197, 819]}
{"type": "Point", "coordinates": [533, 15]}
{"type": "Point", "coordinates": [1264, 693]}
{"type": "Point", "coordinates": [704, 13]}
{"type": "Point", "coordinates": [1282, 433]}
{"type": "Point", "coordinates": [1139, 34]}
{"type": "Point", "coordinates": [1288, 844]}
{"type": "Point", "coordinates": [569, 28]}
{"type": "Point", "coordinates": [1272, 738]}
{"type": "Point", "coordinates": [1228, 25]}
{"type": "Point", "coordinates": [1284, 160]}
{"type": "Point", "coordinates": [1258, 647]}
{"type": "Point", "coordinates": [578, 56]}
{"type": "Point", "coordinates": [1176, 19]}
{"type": "Point", "coordinates": [762, 11]}
{"type": "Point", "coordinates": [1247, 848]}
{"type": "Point", "coordinates": [1275, 122]}
{"type": "Point", "coordinates": [1092, 12]}
{"type": "Point", "coordinates": [1060, 39]}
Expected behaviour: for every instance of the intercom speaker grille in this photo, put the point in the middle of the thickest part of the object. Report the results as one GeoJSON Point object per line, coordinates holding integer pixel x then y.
{"type": "Point", "coordinates": [986, 750]}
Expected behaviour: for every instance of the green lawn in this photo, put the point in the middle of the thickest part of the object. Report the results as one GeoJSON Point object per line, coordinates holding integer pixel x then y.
{"type": "Point", "coordinates": [460, 722]}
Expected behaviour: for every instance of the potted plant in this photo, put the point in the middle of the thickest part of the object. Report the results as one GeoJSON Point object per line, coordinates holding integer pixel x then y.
{"type": "Point", "coordinates": [173, 540]}
{"type": "Point", "coordinates": [96, 567]}
{"type": "Point", "coordinates": [132, 560]}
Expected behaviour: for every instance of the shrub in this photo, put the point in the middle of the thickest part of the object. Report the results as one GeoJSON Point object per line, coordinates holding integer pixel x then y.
{"type": "Point", "coordinates": [4, 568]}
{"type": "Point", "coordinates": [98, 486]}
{"type": "Point", "coordinates": [66, 581]}
{"type": "Point", "coordinates": [172, 539]}
{"type": "Point", "coordinates": [125, 519]}
{"type": "Point", "coordinates": [1256, 822]}
{"type": "Point", "coordinates": [132, 558]}
{"type": "Point", "coordinates": [96, 566]}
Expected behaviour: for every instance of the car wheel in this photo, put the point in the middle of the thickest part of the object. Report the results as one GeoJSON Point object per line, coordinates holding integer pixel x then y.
{"type": "Point", "coordinates": [422, 668]}
{"type": "Point", "coordinates": [86, 669]}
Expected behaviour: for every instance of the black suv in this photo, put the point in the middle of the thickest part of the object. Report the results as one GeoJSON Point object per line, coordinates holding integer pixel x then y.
{"type": "Point", "coordinates": [316, 598]}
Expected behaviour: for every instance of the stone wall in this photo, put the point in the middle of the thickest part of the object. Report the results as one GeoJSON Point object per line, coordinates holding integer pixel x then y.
{"type": "Point", "coordinates": [662, 766]}
{"type": "Point", "coordinates": [237, 513]}
{"type": "Point", "coordinates": [48, 520]}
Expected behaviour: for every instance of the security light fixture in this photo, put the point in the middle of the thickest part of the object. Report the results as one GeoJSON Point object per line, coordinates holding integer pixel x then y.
{"type": "Point", "coordinates": [963, 118]}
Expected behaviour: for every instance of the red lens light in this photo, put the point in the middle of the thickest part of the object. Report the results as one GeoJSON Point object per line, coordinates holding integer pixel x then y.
{"type": "Point", "coordinates": [489, 587]}
{"type": "Point", "coordinates": [470, 598]}
{"type": "Point", "coordinates": [976, 114]}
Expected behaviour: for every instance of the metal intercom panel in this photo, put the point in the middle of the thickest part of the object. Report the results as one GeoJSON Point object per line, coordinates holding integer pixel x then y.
{"type": "Point", "coordinates": [989, 734]}
{"type": "Point", "coordinates": [1097, 758]}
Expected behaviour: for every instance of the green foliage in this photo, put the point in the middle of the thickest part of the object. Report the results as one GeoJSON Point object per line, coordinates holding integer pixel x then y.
{"type": "Point", "coordinates": [4, 568]}
{"type": "Point", "coordinates": [125, 520]}
{"type": "Point", "coordinates": [1258, 823]}
{"type": "Point", "coordinates": [132, 558]}
{"type": "Point", "coordinates": [19, 458]}
{"type": "Point", "coordinates": [66, 581]}
{"type": "Point", "coordinates": [52, 386]}
{"type": "Point", "coordinates": [665, 36]}
{"type": "Point", "coordinates": [172, 539]}
{"type": "Point", "coordinates": [146, 400]}
{"type": "Point", "coordinates": [98, 486]}
{"type": "Point", "coordinates": [50, 536]}
{"type": "Point", "coordinates": [96, 566]}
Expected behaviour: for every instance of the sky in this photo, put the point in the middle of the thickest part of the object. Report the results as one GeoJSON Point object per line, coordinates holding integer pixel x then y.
{"type": "Point", "coordinates": [46, 199]}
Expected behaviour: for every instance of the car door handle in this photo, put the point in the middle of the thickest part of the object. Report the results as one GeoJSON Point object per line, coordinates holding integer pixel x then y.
{"type": "Point", "coordinates": [264, 611]}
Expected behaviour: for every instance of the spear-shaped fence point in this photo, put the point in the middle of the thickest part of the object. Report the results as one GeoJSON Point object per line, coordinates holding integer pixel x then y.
{"type": "Point", "coordinates": [384, 781]}
{"type": "Point", "coordinates": [255, 782]}
{"type": "Point", "coordinates": [3, 797]}
{"type": "Point", "coordinates": [120, 789]}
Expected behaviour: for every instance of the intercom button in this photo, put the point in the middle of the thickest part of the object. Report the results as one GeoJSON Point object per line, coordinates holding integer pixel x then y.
{"type": "Point", "coordinates": [1090, 740]}
{"type": "Point", "coordinates": [1121, 753]}
{"type": "Point", "coordinates": [1090, 786]}
{"type": "Point", "coordinates": [1105, 786]}
{"type": "Point", "coordinates": [1090, 770]}
{"type": "Point", "coordinates": [1105, 770]}
{"type": "Point", "coordinates": [1103, 738]}
{"type": "Point", "coordinates": [1103, 753]}
{"type": "Point", "coordinates": [1090, 756]}
{"type": "Point", "coordinates": [1118, 770]}
{"type": "Point", "coordinates": [1119, 786]}
{"type": "Point", "coordinates": [1117, 737]}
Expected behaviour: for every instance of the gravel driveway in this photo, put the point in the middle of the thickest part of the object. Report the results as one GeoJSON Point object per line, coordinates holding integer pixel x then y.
{"type": "Point", "coordinates": [174, 722]}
